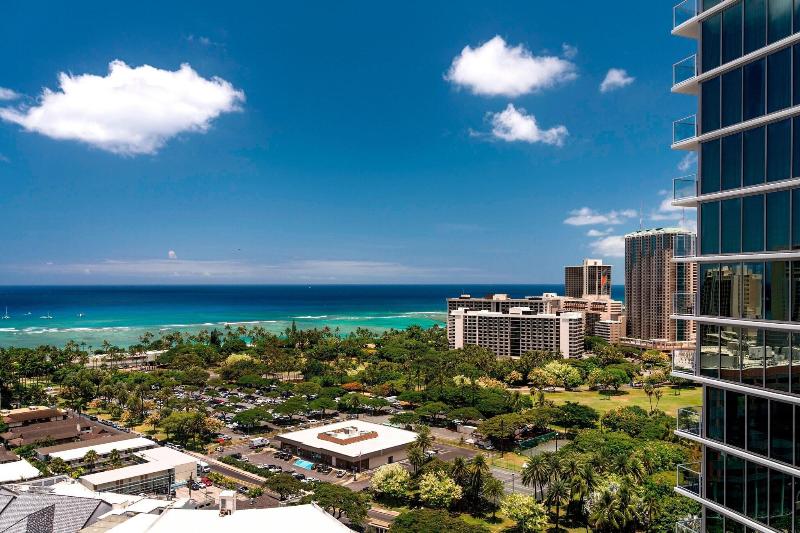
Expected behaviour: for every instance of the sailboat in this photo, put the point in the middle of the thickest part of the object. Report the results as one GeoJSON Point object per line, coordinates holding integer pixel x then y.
{"type": "Point", "coordinates": [6, 316]}
{"type": "Point", "coordinates": [47, 316]}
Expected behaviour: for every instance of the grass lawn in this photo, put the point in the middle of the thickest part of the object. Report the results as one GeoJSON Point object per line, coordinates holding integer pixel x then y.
{"type": "Point", "coordinates": [670, 401]}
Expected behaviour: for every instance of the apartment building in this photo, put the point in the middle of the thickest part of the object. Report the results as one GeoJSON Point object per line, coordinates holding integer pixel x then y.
{"type": "Point", "coordinates": [652, 281]}
{"type": "Point", "coordinates": [590, 280]}
{"type": "Point", "coordinates": [518, 331]}
{"type": "Point", "coordinates": [746, 75]}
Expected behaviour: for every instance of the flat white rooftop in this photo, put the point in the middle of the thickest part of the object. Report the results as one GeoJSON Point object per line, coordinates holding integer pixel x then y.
{"type": "Point", "coordinates": [18, 471]}
{"type": "Point", "coordinates": [387, 437]}
{"type": "Point", "coordinates": [277, 519]}
{"type": "Point", "coordinates": [136, 443]}
{"type": "Point", "coordinates": [157, 460]}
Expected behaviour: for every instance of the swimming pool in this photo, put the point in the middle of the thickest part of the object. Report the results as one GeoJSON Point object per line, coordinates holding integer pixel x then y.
{"type": "Point", "coordinates": [304, 464]}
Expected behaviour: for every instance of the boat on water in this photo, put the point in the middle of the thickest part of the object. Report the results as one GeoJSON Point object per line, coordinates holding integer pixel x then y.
{"type": "Point", "coordinates": [47, 316]}
{"type": "Point", "coordinates": [81, 315]}
{"type": "Point", "coordinates": [6, 316]}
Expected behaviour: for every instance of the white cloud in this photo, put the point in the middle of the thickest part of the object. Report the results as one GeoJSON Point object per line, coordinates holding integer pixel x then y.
{"type": "Point", "coordinates": [172, 255]}
{"type": "Point", "coordinates": [569, 51]}
{"type": "Point", "coordinates": [589, 217]}
{"type": "Point", "coordinates": [8, 94]}
{"type": "Point", "coordinates": [129, 111]}
{"type": "Point", "coordinates": [496, 69]}
{"type": "Point", "coordinates": [610, 246]}
{"type": "Point", "coordinates": [598, 233]}
{"type": "Point", "coordinates": [513, 124]}
{"type": "Point", "coordinates": [688, 161]}
{"type": "Point", "coordinates": [4, 159]}
{"type": "Point", "coordinates": [616, 78]}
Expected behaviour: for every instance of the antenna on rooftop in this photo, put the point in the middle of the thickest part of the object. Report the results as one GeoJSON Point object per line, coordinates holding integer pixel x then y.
{"type": "Point", "coordinates": [641, 216]}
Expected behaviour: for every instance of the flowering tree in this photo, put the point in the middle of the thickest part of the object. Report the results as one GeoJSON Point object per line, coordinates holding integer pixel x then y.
{"type": "Point", "coordinates": [525, 511]}
{"type": "Point", "coordinates": [438, 490]}
{"type": "Point", "coordinates": [391, 480]}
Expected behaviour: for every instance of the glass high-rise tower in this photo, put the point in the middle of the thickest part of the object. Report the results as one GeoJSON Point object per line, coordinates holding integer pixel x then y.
{"type": "Point", "coordinates": [746, 76]}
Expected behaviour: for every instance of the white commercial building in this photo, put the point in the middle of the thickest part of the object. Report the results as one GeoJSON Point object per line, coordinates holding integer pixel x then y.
{"type": "Point", "coordinates": [74, 456]}
{"type": "Point", "coordinates": [350, 445]}
{"type": "Point", "coordinates": [518, 331]}
{"type": "Point", "coordinates": [159, 472]}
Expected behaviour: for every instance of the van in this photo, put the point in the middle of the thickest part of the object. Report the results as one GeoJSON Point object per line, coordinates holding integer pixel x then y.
{"type": "Point", "coordinates": [258, 442]}
{"type": "Point", "coordinates": [202, 468]}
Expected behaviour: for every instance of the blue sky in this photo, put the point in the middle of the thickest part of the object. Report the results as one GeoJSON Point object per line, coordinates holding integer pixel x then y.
{"type": "Point", "coordinates": [331, 142]}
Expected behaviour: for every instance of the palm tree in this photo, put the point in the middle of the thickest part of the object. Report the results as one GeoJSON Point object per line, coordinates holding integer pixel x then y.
{"type": "Point", "coordinates": [416, 457]}
{"type": "Point", "coordinates": [460, 471]}
{"type": "Point", "coordinates": [114, 458]}
{"type": "Point", "coordinates": [557, 493]}
{"type": "Point", "coordinates": [586, 479]}
{"type": "Point", "coordinates": [534, 473]}
{"type": "Point", "coordinates": [424, 437]}
{"type": "Point", "coordinates": [493, 490]}
{"type": "Point", "coordinates": [606, 515]}
{"type": "Point", "coordinates": [90, 459]}
{"type": "Point", "coordinates": [478, 470]}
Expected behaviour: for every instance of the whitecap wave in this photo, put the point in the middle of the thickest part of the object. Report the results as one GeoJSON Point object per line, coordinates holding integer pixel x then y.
{"type": "Point", "coordinates": [311, 317]}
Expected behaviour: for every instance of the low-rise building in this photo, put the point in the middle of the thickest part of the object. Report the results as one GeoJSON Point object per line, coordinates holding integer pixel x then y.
{"type": "Point", "coordinates": [158, 472]}
{"type": "Point", "coordinates": [74, 456]}
{"type": "Point", "coordinates": [518, 331]}
{"type": "Point", "coordinates": [353, 445]}
{"type": "Point", "coordinates": [50, 431]}
{"type": "Point", "coordinates": [35, 414]}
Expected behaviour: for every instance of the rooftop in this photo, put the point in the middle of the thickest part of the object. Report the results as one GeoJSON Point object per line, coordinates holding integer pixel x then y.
{"type": "Point", "coordinates": [277, 519]}
{"type": "Point", "coordinates": [17, 471]}
{"type": "Point", "coordinates": [33, 412]}
{"type": "Point", "coordinates": [104, 448]}
{"type": "Point", "coordinates": [115, 437]}
{"type": "Point", "coordinates": [658, 231]}
{"type": "Point", "coordinates": [378, 438]}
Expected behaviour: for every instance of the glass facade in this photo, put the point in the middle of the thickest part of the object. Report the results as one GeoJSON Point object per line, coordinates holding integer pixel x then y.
{"type": "Point", "coordinates": [748, 305]}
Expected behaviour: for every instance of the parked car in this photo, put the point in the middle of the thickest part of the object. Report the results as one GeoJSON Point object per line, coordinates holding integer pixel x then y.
{"type": "Point", "coordinates": [298, 476]}
{"type": "Point", "coordinates": [243, 489]}
{"type": "Point", "coordinates": [341, 473]}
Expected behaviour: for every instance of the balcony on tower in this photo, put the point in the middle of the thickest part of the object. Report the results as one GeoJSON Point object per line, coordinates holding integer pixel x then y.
{"type": "Point", "coordinates": [684, 246]}
{"type": "Point", "coordinates": [683, 362]}
{"type": "Point", "coordinates": [690, 420]}
{"type": "Point", "coordinates": [683, 131]}
{"type": "Point", "coordinates": [683, 72]}
{"type": "Point", "coordinates": [684, 191]}
{"type": "Point", "coordinates": [683, 303]}
{"type": "Point", "coordinates": [683, 13]}
{"type": "Point", "coordinates": [689, 478]}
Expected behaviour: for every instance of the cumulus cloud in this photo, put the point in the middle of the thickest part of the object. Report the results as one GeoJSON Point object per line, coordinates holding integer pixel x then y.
{"type": "Point", "coordinates": [688, 161]}
{"type": "Point", "coordinates": [497, 69]}
{"type": "Point", "coordinates": [599, 233]}
{"type": "Point", "coordinates": [172, 255]}
{"type": "Point", "coordinates": [569, 51]}
{"type": "Point", "coordinates": [616, 78]}
{"type": "Point", "coordinates": [131, 110]}
{"type": "Point", "coordinates": [610, 246]}
{"type": "Point", "coordinates": [514, 124]}
{"type": "Point", "coordinates": [8, 94]}
{"type": "Point", "coordinates": [589, 217]}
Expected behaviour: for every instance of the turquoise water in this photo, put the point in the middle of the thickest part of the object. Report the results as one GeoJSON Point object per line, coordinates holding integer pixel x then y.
{"type": "Point", "coordinates": [92, 314]}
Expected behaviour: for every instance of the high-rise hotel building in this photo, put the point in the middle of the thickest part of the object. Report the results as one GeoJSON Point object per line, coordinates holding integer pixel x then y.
{"type": "Point", "coordinates": [651, 280]}
{"type": "Point", "coordinates": [746, 77]}
{"type": "Point", "coordinates": [590, 280]}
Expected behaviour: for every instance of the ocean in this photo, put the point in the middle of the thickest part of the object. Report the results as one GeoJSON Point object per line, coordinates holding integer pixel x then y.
{"type": "Point", "coordinates": [121, 314]}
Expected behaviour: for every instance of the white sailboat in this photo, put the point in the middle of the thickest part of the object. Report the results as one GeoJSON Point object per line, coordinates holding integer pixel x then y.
{"type": "Point", "coordinates": [6, 316]}
{"type": "Point", "coordinates": [47, 316]}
